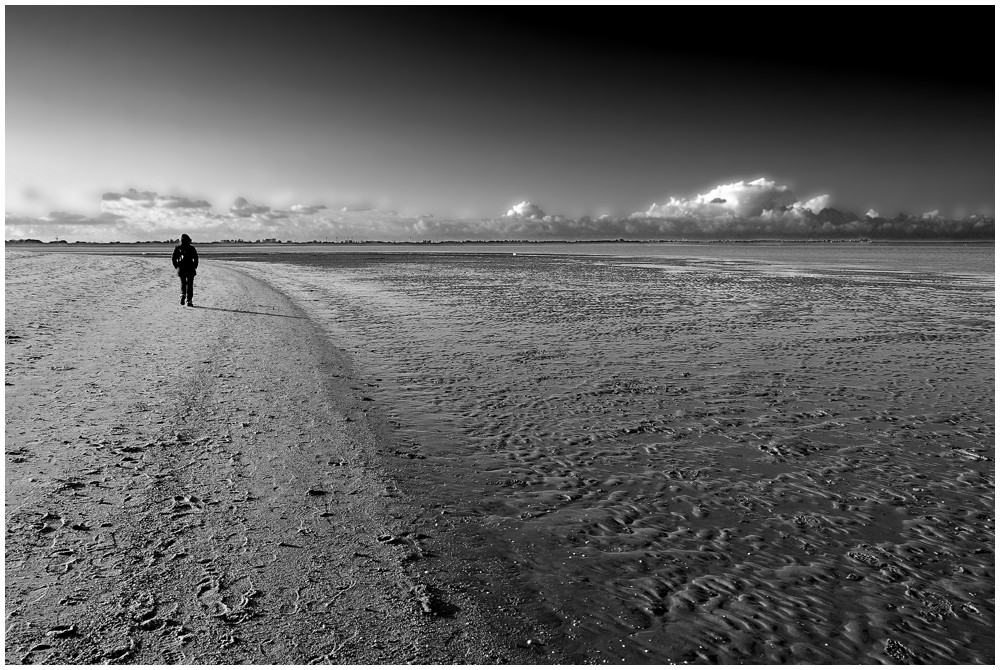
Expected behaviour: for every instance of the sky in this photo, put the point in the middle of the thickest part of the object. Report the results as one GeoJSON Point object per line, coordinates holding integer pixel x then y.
{"type": "Point", "coordinates": [466, 113]}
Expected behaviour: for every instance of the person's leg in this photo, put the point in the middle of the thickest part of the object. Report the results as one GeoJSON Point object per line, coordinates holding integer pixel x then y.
{"type": "Point", "coordinates": [183, 287]}
{"type": "Point", "coordinates": [190, 289]}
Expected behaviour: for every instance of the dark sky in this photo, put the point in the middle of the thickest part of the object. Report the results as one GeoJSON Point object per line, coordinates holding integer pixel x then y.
{"type": "Point", "coordinates": [466, 111]}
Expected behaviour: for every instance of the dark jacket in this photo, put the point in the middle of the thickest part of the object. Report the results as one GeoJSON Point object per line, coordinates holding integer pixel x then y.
{"type": "Point", "coordinates": [185, 259]}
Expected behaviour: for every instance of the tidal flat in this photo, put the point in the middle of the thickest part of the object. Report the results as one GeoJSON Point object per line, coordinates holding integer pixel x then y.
{"type": "Point", "coordinates": [705, 453]}
{"type": "Point", "coordinates": [621, 453]}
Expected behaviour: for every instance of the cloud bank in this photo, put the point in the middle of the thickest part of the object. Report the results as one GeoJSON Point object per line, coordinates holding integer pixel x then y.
{"type": "Point", "coordinates": [740, 200]}
{"type": "Point", "coordinates": [759, 209]}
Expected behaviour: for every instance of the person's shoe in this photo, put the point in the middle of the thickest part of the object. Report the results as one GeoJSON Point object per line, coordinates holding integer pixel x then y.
{"type": "Point", "coordinates": [182, 300]}
{"type": "Point", "coordinates": [189, 304]}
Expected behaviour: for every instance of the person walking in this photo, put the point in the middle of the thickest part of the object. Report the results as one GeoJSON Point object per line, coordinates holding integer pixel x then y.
{"type": "Point", "coordinates": [185, 259]}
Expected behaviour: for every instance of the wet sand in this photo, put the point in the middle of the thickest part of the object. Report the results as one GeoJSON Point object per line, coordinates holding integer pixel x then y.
{"type": "Point", "coordinates": [204, 485]}
{"type": "Point", "coordinates": [691, 460]}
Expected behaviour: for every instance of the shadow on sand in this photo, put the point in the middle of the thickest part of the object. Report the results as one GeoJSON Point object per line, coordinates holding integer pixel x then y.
{"type": "Point", "coordinates": [243, 311]}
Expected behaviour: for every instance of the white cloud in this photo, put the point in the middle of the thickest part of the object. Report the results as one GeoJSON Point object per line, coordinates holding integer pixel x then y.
{"type": "Point", "coordinates": [933, 214]}
{"type": "Point", "coordinates": [872, 213]}
{"type": "Point", "coordinates": [739, 200]}
{"type": "Point", "coordinates": [814, 205]}
{"type": "Point", "coordinates": [525, 210]}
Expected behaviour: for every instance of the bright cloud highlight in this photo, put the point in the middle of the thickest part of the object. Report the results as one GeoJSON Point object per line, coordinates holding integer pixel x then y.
{"type": "Point", "coordinates": [525, 210]}
{"type": "Point", "coordinates": [741, 199]}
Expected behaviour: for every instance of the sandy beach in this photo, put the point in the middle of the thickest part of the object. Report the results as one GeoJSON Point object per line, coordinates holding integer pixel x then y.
{"type": "Point", "coordinates": [768, 455]}
{"type": "Point", "coordinates": [203, 485]}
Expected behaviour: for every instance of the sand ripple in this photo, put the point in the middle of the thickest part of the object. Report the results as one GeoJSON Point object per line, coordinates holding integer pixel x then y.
{"type": "Point", "coordinates": [685, 461]}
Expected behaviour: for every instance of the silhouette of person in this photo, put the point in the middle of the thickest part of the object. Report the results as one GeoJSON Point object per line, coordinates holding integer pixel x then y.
{"type": "Point", "coordinates": [185, 259]}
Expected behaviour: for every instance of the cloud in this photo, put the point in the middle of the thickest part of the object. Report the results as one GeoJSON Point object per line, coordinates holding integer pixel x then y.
{"type": "Point", "coordinates": [525, 210]}
{"type": "Point", "coordinates": [130, 195]}
{"type": "Point", "coordinates": [814, 205]}
{"type": "Point", "coordinates": [737, 200]}
{"type": "Point", "coordinates": [150, 205]}
{"type": "Point", "coordinates": [68, 226]}
{"type": "Point", "coordinates": [758, 209]}
{"type": "Point", "coordinates": [137, 215]}
{"type": "Point", "coordinates": [66, 217]}
{"type": "Point", "coordinates": [71, 217]}
{"type": "Point", "coordinates": [175, 202]}
{"type": "Point", "coordinates": [307, 209]}
{"type": "Point", "coordinates": [245, 209]}
{"type": "Point", "coordinates": [764, 209]}
{"type": "Point", "coordinates": [150, 199]}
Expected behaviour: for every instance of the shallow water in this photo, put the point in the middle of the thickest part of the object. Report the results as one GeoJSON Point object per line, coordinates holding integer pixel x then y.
{"type": "Point", "coordinates": [739, 455]}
